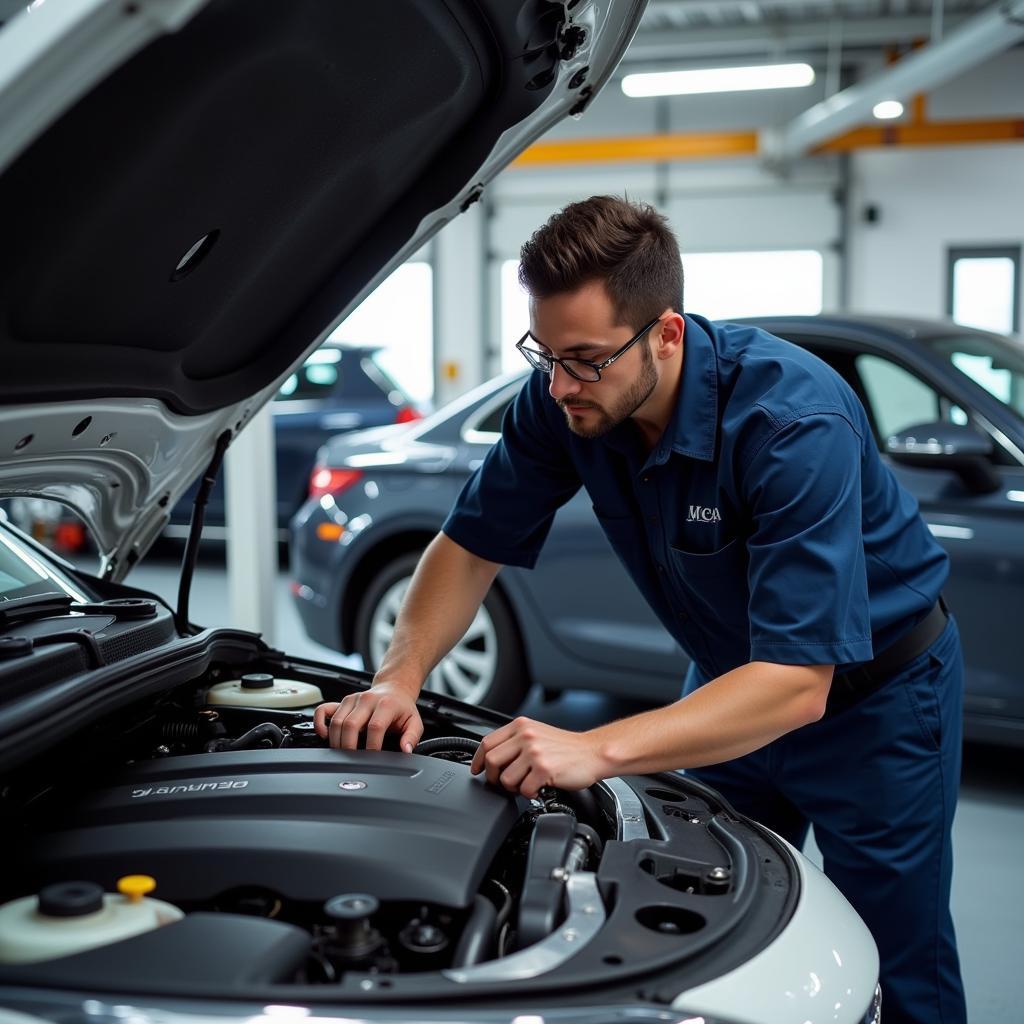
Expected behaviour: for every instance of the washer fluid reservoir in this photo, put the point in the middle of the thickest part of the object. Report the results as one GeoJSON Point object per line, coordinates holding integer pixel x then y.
{"type": "Point", "coordinates": [71, 917]}
{"type": "Point", "coordinates": [262, 690]}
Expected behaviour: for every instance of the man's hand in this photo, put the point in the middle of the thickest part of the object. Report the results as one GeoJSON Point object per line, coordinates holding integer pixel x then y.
{"type": "Point", "coordinates": [384, 706]}
{"type": "Point", "coordinates": [524, 756]}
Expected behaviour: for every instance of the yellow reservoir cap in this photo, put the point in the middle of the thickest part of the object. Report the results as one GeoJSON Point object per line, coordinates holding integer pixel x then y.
{"type": "Point", "coordinates": [134, 887]}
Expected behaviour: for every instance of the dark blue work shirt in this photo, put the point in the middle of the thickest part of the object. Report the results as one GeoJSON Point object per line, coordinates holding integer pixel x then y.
{"type": "Point", "coordinates": [763, 526]}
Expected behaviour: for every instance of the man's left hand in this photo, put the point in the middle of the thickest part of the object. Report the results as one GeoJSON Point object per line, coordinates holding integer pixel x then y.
{"type": "Point", "coordinates": [525, 756]}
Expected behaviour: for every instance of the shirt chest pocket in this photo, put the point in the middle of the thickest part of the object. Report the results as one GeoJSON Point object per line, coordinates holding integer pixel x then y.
{"type": "Point", "coordinates": [715, 581]}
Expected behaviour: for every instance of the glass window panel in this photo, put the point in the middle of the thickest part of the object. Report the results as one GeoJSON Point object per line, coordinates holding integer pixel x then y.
{"type": "Point", "coordinates": [995, 363]}
{"type": "Point", "coordinates": [729, 285]}
{"type": "Point", "coordinates": [983, 292]}
{"type": "Point", "coordinates": [491, 423]}
{"type": "Point", "coordinates": [515, 316]}
{"type": "Point", "coordinates": [399, 316]}
{"type": "Point", "coordinates": [898, 398]}
{"type": "Point", "coordinates": [980, 369]}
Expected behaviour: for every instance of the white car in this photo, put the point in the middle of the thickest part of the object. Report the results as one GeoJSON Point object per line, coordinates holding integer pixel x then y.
{"type": "Point", "coordinates": [193, 194]}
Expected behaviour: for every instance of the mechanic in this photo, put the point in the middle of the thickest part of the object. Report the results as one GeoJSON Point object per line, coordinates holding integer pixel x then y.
{"type": "Point", "coordinates": [737, 479]}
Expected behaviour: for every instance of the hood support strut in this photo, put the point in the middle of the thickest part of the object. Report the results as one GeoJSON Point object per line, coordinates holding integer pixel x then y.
{"type": "Point", "coordinates": [195, 532]}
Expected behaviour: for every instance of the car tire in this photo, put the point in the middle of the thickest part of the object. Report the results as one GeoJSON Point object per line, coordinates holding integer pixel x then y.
{"type": "Point", "coordinates": [485, 668]}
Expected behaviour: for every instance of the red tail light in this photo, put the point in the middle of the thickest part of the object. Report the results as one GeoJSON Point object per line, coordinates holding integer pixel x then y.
{"type": "Point", "coordinates": [407, 414]}
{"type": "Point", "coordinates": [331, 481]}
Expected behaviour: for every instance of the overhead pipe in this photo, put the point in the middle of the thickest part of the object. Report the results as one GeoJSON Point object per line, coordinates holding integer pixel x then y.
{"type": "Point", "coordinates": [984, 35]}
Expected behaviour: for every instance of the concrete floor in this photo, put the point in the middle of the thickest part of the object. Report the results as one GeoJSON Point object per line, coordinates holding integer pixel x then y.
{"type": "Point", "coordinates": [988, 882]}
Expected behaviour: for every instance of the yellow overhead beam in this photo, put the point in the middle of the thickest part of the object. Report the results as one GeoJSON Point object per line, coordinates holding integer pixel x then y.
{"type": "Point", "coordinates": [702, 146]}
{"type": "Point", "coordinates": [721, 145]}
{"type": "Point", "coordinates": [942, 133]}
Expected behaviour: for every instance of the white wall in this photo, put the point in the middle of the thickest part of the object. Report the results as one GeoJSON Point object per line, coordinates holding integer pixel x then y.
{"type": "Point", "coordinates": [928, 199]}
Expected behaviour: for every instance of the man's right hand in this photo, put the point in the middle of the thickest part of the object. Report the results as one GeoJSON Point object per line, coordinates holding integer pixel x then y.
{"type": "Point", "coordinates": [383, 707]}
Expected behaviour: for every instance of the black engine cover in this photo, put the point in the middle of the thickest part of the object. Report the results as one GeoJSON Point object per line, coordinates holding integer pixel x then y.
{"type": "Point", "coordinates": [307, 824]}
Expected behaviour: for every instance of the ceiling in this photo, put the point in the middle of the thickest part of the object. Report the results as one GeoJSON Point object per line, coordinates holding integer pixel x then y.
{"type": "Point", "coordinates": [674, 30]}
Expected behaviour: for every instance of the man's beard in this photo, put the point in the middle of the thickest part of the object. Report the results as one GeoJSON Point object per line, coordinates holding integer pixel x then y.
{"type": "Point", "coordinates": [606, 419]}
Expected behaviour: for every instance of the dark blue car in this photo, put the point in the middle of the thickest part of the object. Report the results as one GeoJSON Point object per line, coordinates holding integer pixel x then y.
{"type": "Point", "coordinates": [947, 407]}
{"type": "Point", "coordinates": [340, 387]}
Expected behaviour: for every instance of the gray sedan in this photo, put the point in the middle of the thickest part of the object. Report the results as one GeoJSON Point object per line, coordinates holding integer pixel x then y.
{"type": "Point", "coordinates": [947, 404]}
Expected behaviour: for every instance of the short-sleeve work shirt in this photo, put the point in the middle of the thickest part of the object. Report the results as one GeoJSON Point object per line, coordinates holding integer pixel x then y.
{"type": "Point", "coordinates": [763, 525]}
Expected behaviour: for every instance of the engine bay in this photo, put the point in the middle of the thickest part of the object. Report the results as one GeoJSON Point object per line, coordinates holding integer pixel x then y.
{"type": "Point", "coordinates": [275, 861]}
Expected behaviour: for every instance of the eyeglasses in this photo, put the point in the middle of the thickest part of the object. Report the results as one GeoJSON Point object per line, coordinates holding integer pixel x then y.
{"type": "Point", "coordinates": [581, 369]}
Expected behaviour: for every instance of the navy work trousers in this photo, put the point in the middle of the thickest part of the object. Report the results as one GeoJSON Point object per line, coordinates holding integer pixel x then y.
{"type": "Point", "coordinates": [879, 783]}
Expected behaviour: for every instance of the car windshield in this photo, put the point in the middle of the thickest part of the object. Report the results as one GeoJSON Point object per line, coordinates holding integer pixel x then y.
{"type": "Point", "coordinates": [994, 362]}
{"type": "Point", "coordinates": [355, 374]}
{"type": "Point", "coordinates": [23, 573]}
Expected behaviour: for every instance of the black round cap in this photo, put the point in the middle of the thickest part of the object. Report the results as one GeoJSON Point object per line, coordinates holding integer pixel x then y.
{"type": "Point", "coordinates": [14, 646]}
{"type": "Point", "coordinates": [351, 906]}
{"type": "Point", "coordinates": [71, 899]}
{"type": "Point", "coordinates": [131, 607]}
{"type": "Point", "coordinates": [257, 681]}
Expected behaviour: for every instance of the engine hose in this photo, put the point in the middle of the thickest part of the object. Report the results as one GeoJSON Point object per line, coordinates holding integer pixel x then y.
{"type": "Point", "coordinates": [505, 910]}
{"type": "Point", "coordinates": [587, 806]}
{"type": "Point", "coordinates": [479, 937]}
{"type": "Point", "coordinates": [447, 743]}
{"type": "Point", "coordinates": [252, 739]}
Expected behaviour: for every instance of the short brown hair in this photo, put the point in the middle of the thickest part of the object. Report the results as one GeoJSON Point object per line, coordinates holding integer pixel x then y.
{"type": "Point", "coordinates": [629, 246]}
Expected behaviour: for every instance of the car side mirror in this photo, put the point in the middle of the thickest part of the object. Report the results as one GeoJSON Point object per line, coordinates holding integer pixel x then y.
{"type": "Point", "coordinates": [948, 446]}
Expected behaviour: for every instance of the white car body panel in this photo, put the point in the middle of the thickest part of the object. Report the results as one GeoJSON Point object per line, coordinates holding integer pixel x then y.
{"type": "Point", "coordinates": [799, 978]}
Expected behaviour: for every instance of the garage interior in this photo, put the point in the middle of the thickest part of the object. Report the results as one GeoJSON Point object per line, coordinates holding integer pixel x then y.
{"type": "Point", "coordinates": [889, 183]}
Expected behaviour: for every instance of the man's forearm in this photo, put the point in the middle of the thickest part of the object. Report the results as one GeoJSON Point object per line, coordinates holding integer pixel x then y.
{"type": "Point", "coordinates": [446, 591]}
{"type": "Point", "coordinates": [728, 717]}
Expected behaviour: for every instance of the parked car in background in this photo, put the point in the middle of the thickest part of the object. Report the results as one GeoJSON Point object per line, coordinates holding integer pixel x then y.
{"type": "Point", "coordinates": [947, 407]}
{"type": "Point", "coordinates": [340, 387]}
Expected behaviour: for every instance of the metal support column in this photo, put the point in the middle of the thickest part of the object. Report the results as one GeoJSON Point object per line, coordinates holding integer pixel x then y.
{"type": "Point", "coordinates": [460, 280]}
{"type": "Point", "coordinates": [251, 513]}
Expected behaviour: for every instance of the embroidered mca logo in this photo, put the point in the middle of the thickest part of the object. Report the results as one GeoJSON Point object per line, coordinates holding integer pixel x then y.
{"type": "Point", "coordinates": [703, 514]}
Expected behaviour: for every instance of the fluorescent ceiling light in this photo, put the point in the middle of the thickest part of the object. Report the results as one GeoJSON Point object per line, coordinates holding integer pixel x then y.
{"type": "Point", "coordinates": [679, 83]}
{"type": "Point", "coordinates": [888, 109]}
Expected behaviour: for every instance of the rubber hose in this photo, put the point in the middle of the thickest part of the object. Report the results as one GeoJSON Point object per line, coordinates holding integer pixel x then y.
{"type": "Point", "coordinates": [479, 936]}
{"type": "Point", "coordinates": [254, 738]}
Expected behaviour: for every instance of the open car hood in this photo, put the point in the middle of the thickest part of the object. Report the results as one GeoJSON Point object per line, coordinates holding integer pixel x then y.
{"type": "Point", "coordinates": [194, 193]}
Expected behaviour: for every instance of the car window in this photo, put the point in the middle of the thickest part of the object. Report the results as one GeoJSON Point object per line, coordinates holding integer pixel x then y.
{"type": "Point", "coordinates": [491, 423]}
{"type": "Point", "coordinates": [894, 397]}
{"type": "Point", "coordinates": [316, 378]}
{"type": "Point", "coordinates": [342, 374]}
{"type": "Point", "coordinates": [898, 398]}
{"type": "Point", "coordinates": [994, 362]}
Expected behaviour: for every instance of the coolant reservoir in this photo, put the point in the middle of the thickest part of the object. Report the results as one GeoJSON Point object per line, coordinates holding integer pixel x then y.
{"type": "Point", "coordinates": [70, 917]}
{"type": "Point", "coordinates": [262, 690]}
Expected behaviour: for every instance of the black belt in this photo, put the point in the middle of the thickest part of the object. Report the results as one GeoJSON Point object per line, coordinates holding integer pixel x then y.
{"type": "Point", "coordinates": [849, 688]}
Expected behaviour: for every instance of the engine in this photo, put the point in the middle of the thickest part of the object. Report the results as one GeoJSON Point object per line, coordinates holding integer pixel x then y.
{"type": "Point", "coordinates": [298, 824]}
{"type": "Point", "coordinates": [212, 838]}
